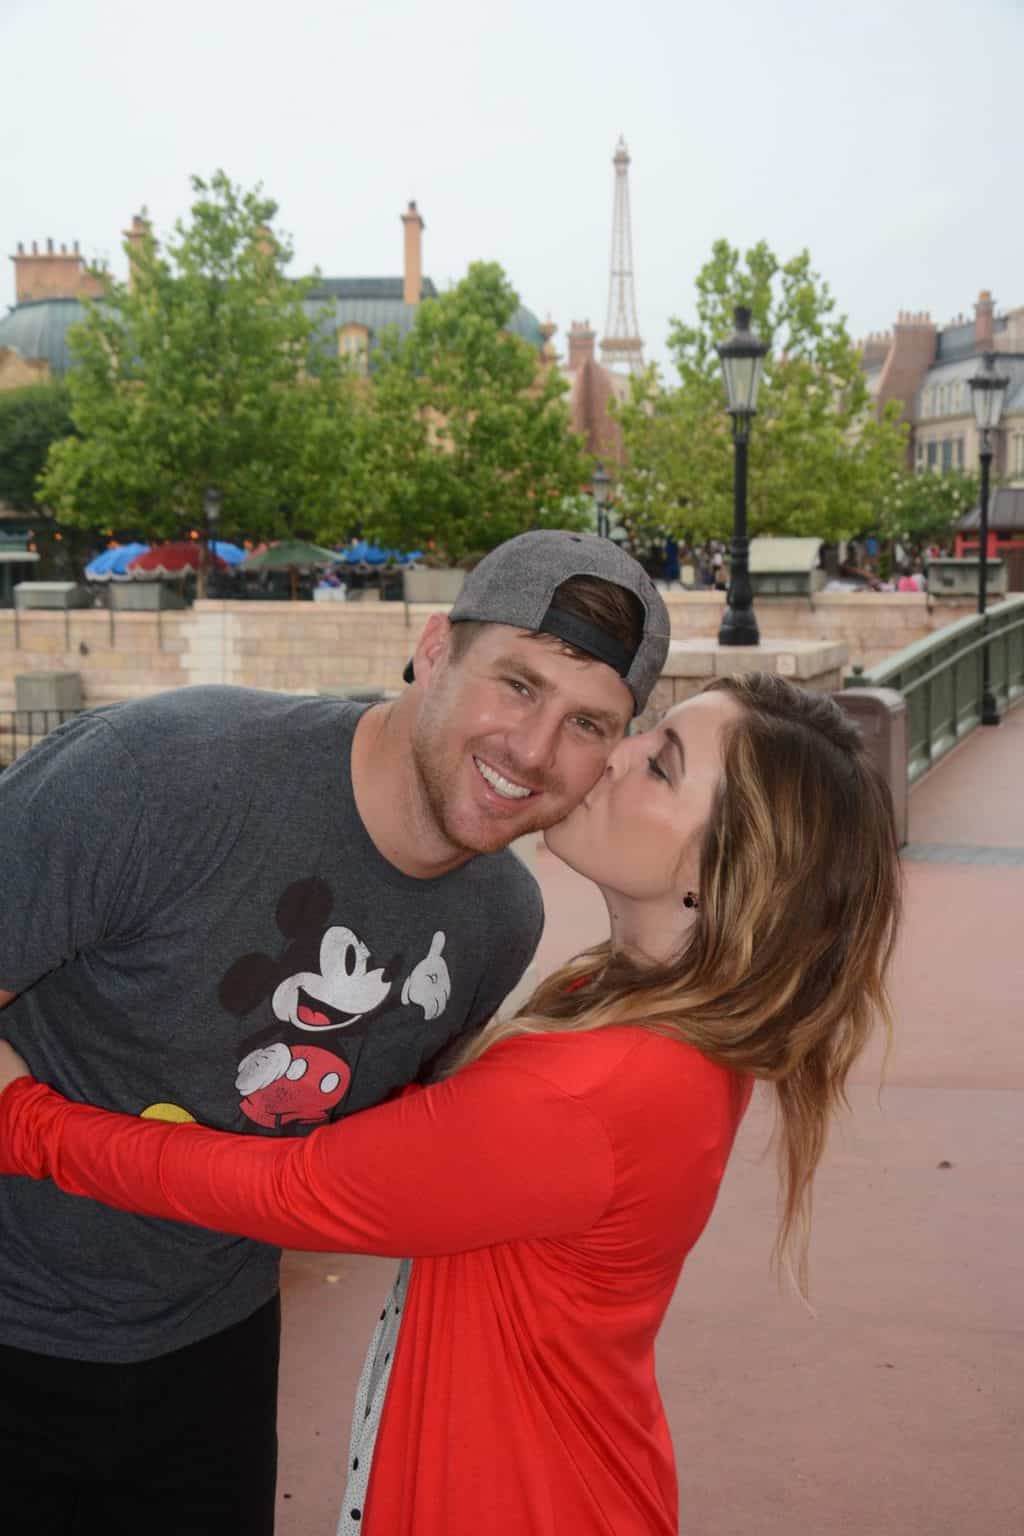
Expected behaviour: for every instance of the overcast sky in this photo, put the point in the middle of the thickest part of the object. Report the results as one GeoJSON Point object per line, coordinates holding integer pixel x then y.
{"type": "Point", "coordinates": [884, 135]}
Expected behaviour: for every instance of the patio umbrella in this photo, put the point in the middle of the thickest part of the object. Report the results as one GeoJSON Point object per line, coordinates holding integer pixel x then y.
{"type": "Point", "coordinates": [291, 555]}
{"type": "Point", "coordinates": [171, 560]}
{"type": "Point", "coordinates": [114, 562]}
{"type": "Point", "coordinates": [231, 554]}
{"type": "Point", "coordinates": [364, 553]}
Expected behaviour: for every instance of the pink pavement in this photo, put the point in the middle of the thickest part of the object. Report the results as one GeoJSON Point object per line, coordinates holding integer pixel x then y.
{"type": "Point", "coordinates": [896, 1408]}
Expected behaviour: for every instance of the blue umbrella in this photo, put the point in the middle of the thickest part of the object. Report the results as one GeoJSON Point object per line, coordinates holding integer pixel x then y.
{"type": "Point", "coordinates": [229, 553]}
{"type": "Point", "coordinates": [364, 553]}
{"type": "Point", "coordinates": [113, 562]}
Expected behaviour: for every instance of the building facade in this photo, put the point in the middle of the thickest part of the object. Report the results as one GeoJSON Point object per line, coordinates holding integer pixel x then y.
{"type": "Point", "coordinates": [352, 312]}
{"type": "Point", "coordinates": [927, 368]}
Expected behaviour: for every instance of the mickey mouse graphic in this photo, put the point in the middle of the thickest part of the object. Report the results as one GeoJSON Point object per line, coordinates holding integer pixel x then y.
{"type": "Point", "coordinates": [324, 983]}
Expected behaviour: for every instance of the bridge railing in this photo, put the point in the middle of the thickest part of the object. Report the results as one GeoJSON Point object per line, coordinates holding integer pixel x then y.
{"type": "Point", "coordinates": [22, 728]}
{"type": "Point", "coordinates": [941, 679]}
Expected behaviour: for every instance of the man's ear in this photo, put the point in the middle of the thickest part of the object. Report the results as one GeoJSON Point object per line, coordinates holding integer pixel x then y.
{"type": "Point", "coordinates": [432, 647]}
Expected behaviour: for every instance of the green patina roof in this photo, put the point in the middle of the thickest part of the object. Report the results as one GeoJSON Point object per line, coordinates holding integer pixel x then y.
{"type": "Point", "coordinates": [37, 330]}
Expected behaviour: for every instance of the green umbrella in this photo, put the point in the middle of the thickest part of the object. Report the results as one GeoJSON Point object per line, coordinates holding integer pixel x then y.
{"type": "Point", "coordinates": [289, 555]}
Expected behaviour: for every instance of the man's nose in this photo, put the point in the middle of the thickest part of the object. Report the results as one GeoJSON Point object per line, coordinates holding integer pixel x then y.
{"type": "Point", "coordinates": [534, 742]}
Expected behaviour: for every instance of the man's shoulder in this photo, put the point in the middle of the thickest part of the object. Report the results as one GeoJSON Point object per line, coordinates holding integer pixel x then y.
{"type": "Point", "coordinates": [202, 719]}
{"type": "Point", "coordinates": [224, 704]}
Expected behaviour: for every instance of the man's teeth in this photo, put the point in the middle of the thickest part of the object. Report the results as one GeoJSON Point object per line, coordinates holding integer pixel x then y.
{"type": "Point", "coordinates": [500, 785]}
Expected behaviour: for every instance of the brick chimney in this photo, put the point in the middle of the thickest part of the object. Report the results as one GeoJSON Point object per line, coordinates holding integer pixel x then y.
{"type": "Point", "coordinates": [875, 348]}
{"type": "Point", "coordinates": [412, 277]}
{"type": "Point", "coordinates": [983, 314]}
{"type": "Point", "coordinates": [52, 274]}
{"type": "Point", "coordinates": [581, 344]}
{"type": "Point", "coordinates": [134, 237]}
{"type": "Point", "coordinates": [910, 356]}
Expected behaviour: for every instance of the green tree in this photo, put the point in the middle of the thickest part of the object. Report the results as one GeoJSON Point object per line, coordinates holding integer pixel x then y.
{"type": "Point", "coordinates": [469, 440]}
{"type": "Point", "coordinates": [204, 371]}
{"type": "Point", "coordinates": [818, 458]}
{"type": "Point", "coordinates": [918, 508]}
{"type": "Point", "coordinates": [30, 420]}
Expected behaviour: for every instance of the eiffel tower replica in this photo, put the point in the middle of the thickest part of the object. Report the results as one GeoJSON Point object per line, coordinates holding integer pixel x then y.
{"type": "Point", "coordinates": [621, 346]}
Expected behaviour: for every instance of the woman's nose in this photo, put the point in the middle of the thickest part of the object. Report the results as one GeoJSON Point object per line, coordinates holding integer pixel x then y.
{"type": "Point", "coordinates": [620, 758]}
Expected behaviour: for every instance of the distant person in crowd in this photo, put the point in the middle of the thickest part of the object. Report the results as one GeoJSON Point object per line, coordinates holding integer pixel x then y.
{"type": "Point", "coordinates": [264, 912]}
{"type": "Point", "coordinates": [670, 569]}
{"type": "Point", "coordinates": [551, 1183]}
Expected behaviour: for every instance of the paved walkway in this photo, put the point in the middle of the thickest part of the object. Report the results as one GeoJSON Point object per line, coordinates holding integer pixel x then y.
{"type": "Point", "coordinates": [897, 1408]}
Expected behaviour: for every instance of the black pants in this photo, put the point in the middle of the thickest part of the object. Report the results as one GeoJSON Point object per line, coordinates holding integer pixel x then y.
{"type": "Point", "coordinates": [184, 1445]}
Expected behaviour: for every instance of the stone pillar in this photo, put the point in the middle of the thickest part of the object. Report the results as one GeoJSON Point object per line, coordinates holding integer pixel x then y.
{"type": "Point", "coordinates": [814, 664]}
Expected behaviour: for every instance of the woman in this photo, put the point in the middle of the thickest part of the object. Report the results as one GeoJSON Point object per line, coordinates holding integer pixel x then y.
{"type": "Point", "coordinates": [746, 852]}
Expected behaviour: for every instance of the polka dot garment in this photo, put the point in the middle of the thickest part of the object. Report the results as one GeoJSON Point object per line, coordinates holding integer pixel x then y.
{"type": "Point", "coordinates": [369, 1405]}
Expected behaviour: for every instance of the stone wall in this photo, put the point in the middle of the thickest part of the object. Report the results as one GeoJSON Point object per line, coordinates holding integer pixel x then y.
{"type": "Point", "coordinates": [304, 647]}
{"type": "Point", "coordinates": [872, 625]}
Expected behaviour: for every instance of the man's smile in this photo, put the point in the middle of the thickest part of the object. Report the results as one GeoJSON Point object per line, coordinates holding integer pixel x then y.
{"type": "Point", "coordinates": [506, 788]}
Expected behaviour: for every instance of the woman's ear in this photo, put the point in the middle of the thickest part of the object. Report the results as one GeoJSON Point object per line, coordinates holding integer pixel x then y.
{"type": "Point", "coordinates": [432, 647]}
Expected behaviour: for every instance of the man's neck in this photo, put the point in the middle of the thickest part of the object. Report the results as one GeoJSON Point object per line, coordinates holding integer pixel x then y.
{"type": "Point", "coordinates": [389, 797]}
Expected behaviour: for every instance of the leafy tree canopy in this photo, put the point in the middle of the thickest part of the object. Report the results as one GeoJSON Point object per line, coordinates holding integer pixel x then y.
{"type": "Point", "coordinates": [925, 506]}
{"type": "Point", "coordinates": [203, 371]}
{"type": "Point", "coordinates": [468, 442]}
{"type": "Point", "coordinates": [818, 460]}
{"type": "Point", "coordinates": [30, 420]}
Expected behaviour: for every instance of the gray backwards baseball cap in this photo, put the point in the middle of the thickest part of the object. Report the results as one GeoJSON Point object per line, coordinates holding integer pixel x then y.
{"type": "Point", "coordinates": [516, 584]}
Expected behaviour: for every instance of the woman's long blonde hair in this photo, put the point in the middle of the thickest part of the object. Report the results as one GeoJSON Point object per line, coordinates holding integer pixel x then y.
{"type": "Point", "coordinates": [783, 974]}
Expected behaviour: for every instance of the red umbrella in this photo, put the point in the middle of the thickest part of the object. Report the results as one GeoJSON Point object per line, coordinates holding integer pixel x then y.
{"type": "Point", "coordinates": [172, 559]}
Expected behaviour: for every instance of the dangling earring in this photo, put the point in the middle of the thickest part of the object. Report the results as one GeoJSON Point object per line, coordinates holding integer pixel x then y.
{"type": "Point", "coordinates": [690, 900]}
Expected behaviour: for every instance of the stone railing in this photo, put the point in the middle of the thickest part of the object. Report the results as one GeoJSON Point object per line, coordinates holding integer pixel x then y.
{"type": "Point", "coordinates": [304, 647]}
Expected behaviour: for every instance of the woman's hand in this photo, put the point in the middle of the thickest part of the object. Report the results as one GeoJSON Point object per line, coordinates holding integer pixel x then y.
{"type": "Point", "coordinates": [11, 1065]}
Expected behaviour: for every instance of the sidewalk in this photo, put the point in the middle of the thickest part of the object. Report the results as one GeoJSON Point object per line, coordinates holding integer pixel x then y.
{"type": "Point", "coordinates": [897, 1409]}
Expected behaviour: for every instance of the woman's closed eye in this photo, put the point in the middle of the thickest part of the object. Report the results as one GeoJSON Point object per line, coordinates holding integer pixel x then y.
{"type": "Point", "coordinates": [655, 768]}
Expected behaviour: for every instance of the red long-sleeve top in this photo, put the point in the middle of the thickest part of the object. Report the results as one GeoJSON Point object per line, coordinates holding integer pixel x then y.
{"type": "Point", "coordinates": [549, 1194]}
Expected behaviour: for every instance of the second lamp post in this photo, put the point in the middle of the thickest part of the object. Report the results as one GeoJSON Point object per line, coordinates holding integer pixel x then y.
{"type": "Point", "coordinates": [987, 391]}
{"type": "Point", "coordinates": [742, 358]}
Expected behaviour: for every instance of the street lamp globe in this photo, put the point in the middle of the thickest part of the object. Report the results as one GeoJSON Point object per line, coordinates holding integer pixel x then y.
{"type": "Point", "coordinates": [988, 390]}
{"type": "Point", "coordinates": [742, 358]}
{"type": "Point", "coordinates": [600, 486]}
{"type": "Point", "coordinates": [211, 505]}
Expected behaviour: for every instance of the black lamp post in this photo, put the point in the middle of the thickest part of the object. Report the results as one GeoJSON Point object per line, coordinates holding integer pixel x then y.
{"type": "Point", "coordinates": [988, 389]}
{"type": "Point", "coordinates": [211, 507]}
{"type": "Point", "coordinates": [742, 358]}
{"type": "Point", "coordinates": [601, 485]}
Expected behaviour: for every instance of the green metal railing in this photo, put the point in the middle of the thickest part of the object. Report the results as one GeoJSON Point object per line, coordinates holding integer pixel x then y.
{"type": "Point", "coordinates": [941, 679]}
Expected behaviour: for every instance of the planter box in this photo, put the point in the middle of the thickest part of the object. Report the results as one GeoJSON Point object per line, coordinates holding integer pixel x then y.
{"type": "Point", "coordinates": [52, 594]}
{"type": "Point", "coordinates": [425, 585]}
{"type": "Point", "coordinates": [42, 700]}
{"type": "Point", "coordinates": [144, 597]}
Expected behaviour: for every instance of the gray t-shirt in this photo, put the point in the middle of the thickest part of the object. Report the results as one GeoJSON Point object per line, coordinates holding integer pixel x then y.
{"type": "Point", "coordinates": [198, 925]}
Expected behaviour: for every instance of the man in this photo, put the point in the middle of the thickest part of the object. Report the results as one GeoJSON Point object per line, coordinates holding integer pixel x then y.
{"type": "Point", "coordinates": [260, 913]}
